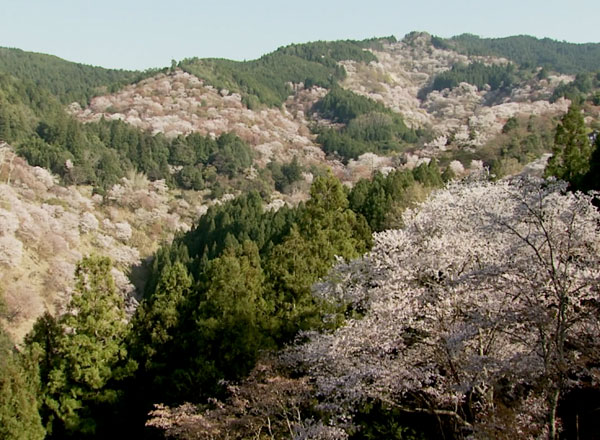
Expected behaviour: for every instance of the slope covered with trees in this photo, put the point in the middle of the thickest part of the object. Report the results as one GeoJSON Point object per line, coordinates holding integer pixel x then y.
{"type": "Point", "coordinates": [471, 314]}
{"type": "Point", "coordinates": [267, 80]}
{"type": "Point", "coordinates": [529, 51]}
{"type": "Point", "coordinates": [217, 299]}
{"type": "Point", "coordinates": [481, 323]}
{"type": "Point", "coordinates": [68, 81]}
{"type": "Point", "coordinates": [483, 316]}
{"type": "Point", "coordinates": [478, 74]}
{"type": "Point", "coordinates": [99, 154]}
{"type": "Point", "coordinates": [369, 126]}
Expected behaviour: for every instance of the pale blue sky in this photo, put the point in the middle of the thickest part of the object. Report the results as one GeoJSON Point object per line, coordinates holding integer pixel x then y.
{"type": "Point", "coordinates": [138, 34]}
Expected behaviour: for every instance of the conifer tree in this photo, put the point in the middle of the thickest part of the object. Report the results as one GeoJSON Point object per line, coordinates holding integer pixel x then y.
{"type": "Point", "coordinates": [91, 353]}
{"type": "Point", "coordinates": [327, 229]}
{"type": "Point", "coordinates": [155, 327]}
{"type": "Point", "coordinates": [572, 149]}
{"type": "Point", "coordinates": [231, 312]}
{"type": "Point", "coordinates": [19, 385]}
{"type": "Point", "coordinates": [158, 316]}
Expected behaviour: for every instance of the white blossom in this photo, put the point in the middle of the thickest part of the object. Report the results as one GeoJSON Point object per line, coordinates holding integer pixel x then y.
{"type": "Point", "coordinates": [488, 287]}
{"type": "Point", "coordinates": [11, 251]}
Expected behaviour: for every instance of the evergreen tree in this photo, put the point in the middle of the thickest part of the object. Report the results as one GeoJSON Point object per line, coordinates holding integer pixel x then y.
{"type": "Point", "coordinates": [326, 229]}
{"type": "Point", "coordinates": [19, 386]}
{"type": "Point", "coordinates": [223, 326]}
{"type": "Point", "coordinates": [232, 312]}
{"type": "Point", "coordinates": [154, 328]}
{"type": "Point", "coordinates": [91, 353]}
{"type": "Point", "coordinates": [572, 149]}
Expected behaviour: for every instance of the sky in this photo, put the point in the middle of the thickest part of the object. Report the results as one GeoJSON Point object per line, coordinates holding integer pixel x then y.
{"type": "Point", "coordinates": [141, 34]}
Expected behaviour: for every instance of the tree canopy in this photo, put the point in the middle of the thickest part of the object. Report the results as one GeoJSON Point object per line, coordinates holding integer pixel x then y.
{"type": "Point", "coordinates": [483, 317]}
{"type": "Point", "coordinates": [572, 149]}
{"type": "Point", "coordinates": [369, 126]}
{"type": "Point", "coordinates": [529, 51]}
{"type": "Point", "coordinates": [266, 81]}
{"type": "Point", "coordinates": [85, 353]}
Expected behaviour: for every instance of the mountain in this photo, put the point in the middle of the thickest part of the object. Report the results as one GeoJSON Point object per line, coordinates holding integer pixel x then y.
{"type": "Point", "coordinates": [66, 80]}
{"type": "Point", "coordinates": [351, 106]}
{"type": "Point", "coordinates": [559, 56]}
{"type": "Point", "coordinates": [223, 191]}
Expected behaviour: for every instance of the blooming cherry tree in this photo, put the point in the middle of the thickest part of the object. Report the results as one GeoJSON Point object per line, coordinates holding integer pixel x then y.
{"type": "Point", "coordinates": [481, 311]}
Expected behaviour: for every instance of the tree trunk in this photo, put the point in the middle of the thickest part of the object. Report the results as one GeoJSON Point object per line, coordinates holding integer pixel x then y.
{"type": "Point", "coordinates": [552, 431]}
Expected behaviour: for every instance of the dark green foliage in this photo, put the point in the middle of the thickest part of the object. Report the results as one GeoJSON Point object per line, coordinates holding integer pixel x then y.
{"type": "Point", "coordinates": [532, 52]}
{"type": "Point", "coordinates": [83, 355]}
{"type": "Point", "coordinates": [369, 125]}
{"type": "Point", "coordinates": [202, 157]}
{"type": "Point", "coordinates": [510, 125]}
{"type": "Point", "coordinates": [231, 156]}
{"type": "Point", "coordinates": [439, 42]}
{"type": "Point", "coordinates": [428, 174]}
{"type": "Point", "coordinates": [577, 91]}
{"type": "Point", "coordinates": [343, 106]}
{"type": "Point", "coordinates": [22, 103]}
{"type": "Point", "coordinates": [244, 218]}
{"type": "Point", "coordinates": [101, 153]}
{"type": "Point", "coordinates": [229, 321]}
{"type": "Point", "coordinates": [191, 177]}
{"type": "Point", "coordinates": [381, 200]}
{"type": "Point", "coordinates": [329, 53]}
{"type": "Point", "coordinates": [223, 319]}
{"type": "Point", "coordinates": [253, 270]}
{"type": "Point", "coordinates": [66, 80]}
{"type": "Point", "coordinates": [591, 181]}
{"type": "Point", "coordinates": [572, 149]}
{"type": "Point", "coordinates": [158, 315]}
{"type": "Point", "coordinates": [19, 391]}
{"type": "Point", "coordinates": [478, 74]}
{"type": "Point", "coordinates": [327, 228]}
{"type": "Point", "coordinates": [154, 336]}
{"type": "Point", "coordinates": [265, 80]}
{"type": "Point", "coordinates": [375, 421]}
{"type": "Point", "coordinates": [284, 175]}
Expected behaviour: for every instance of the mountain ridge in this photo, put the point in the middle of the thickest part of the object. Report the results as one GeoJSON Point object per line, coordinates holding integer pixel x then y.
{"type": "Point", "coordinates": [462, 128]}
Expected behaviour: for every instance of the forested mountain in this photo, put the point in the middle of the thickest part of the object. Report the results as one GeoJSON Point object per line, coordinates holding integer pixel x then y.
{"type": "Point", "coordinates": [267, 80]}
{"type": "Point", "coordinates": [338, 240]}
{"type": "Point", "coordinates": [527, 51]}
{"type": "Point", "coordinates": [67, 81]}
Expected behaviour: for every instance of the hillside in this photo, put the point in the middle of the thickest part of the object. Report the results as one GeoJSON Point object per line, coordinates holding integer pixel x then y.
{"type": "Point", "coordinates": [66, 80]}
{"type": "Point", "coordinates": [279, 114]}
{"type": "Point", "coordinates": [331, 241]}
{"type": "Point", "coordinates": [404, 103]}
{"type": "Point", "coordinates": [46, 228]}
{"type": "Point", "coordinates": [453, 122]}
{"type": "Point", "coordinates": [558, 56]}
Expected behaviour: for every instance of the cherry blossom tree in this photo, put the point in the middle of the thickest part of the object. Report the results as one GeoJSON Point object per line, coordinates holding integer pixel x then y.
{"type": "Point", "coordinates": [481, 312]}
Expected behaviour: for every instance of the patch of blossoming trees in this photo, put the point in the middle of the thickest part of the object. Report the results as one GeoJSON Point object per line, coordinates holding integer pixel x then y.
{"type": "Point", "coordinates": [481, 312]}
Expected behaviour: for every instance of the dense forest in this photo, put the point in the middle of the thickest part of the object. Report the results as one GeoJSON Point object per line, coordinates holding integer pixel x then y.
{"type": "Point", "coordinates": [99, 154]}
{"type": "Point", "coordinates": [266, 81]}
{"type": "Point", "coordinates": [368, 126]}
{"type": "Point", "coordinates": [69, 82]}
{"type": "Point", "coordinates": [529, 51]}
{"type": "Point", "coordinates": [409, 305]}
{"type": "Point", "coordinates": [478, 74]}
{"type": "Point", "coordinates": [217, 297]}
